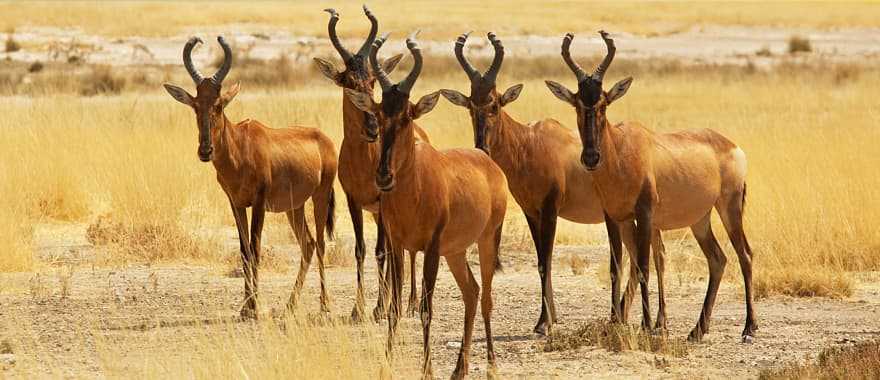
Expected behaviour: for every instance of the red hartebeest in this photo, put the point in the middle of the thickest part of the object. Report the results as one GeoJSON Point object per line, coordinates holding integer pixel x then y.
{"type": "Point", "coordinates": [540, 161]}
{"type": "Point", "coordinates": [439, 202]}
{"type": "Point", "coordinates": [267, 169]}
{"type": "Point", "coordinates": [662, 181]}
{"type": "Point", "coordinates": [358, 156]}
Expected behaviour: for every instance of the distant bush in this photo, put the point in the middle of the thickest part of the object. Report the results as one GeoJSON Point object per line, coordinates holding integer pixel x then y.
{"type": "Point", "coordinates": [798, 44]}
{"type": "Point", "coordinates": [101, 80]}
{"type": "Point", "coordinates": [12, 45]}
{"type": "Point", "coordinates": [35, 67]}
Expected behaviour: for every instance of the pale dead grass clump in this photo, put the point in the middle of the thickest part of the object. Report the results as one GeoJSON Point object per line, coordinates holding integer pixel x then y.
{"type": "Point", "coordinates": [271, 260]}
{"type": "Point", "coordinates": [800, 282]}
{"type": "Point", "coordinates": [339, 254]}
{"type": "Point", "coordinates": [859, 361]}
{"type": "Point", "coordinates": [148, 243]}
{"type": "Point", "coordinates": [293, 349]}
{"type": "Point", "coordinates": [577, 263]}
{"type": "Point", "coordinates": [15, 243]}
{"type": "Point", "coordinates": [615, 337]}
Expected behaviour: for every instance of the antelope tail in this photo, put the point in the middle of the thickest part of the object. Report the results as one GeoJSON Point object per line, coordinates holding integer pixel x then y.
{"type": "Point", "coordinates": [745, 241]}
{"type": "Point", "coordinates": [498, 267]}
{"type": "Point", "coordinates": [331, 214]}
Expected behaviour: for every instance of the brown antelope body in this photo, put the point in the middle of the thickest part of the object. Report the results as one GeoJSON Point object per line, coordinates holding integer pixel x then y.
{"type": "Point", "coordinates": [359, 156]}
{"type": "Point", "coordinates": [439, 202]}
{"type": "Point", "coordinates": [663, 181]}
{"type": "Point", "coordinates": [542, 163]}
{"type": "Point", "coordinates": [266, 169]}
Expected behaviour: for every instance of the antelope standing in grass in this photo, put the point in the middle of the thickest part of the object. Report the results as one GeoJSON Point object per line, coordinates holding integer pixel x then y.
{"type": "Point", "coordinates": [540, 160]}
{"type": "Point", "coordinates": [266, 169]}
{"type": "Point", "coordinates": [663, 181]}
{"type": "Point", "coordinates": [438, 202]}
{"type": "Point", "coordinates": [358, 157]}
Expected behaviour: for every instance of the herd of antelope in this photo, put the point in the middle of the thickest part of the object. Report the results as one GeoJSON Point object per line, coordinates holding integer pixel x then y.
{"type": "Point", "coordinates": [441, 202]}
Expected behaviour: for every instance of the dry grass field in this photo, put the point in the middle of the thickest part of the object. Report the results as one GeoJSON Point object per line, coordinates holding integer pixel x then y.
{"type": "Point", "coordinates": [117, 250]}
{"type": "Point", "coordinates": [147, 18]}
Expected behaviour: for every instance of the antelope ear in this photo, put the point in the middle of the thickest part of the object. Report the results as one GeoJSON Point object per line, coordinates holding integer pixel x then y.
{"type": "Point", "coordinates": [426, 104]}
{"type": "Point", "coordinates": [229, 95]}
{"type": "Point", "coordinates": [619, 89]}
{"type": "Point", "coordinates": [327, 68]}
{"type": "Point", "coordinates": [390, 64]}
{"type": "Point", "coordinates": [511, 94]}
{"type": "Point", "coordinates": [456, 98]}
{"type": "Point", "coordinates": [560, 91]}
{"type": "Point", "coordinates": [362, 100]}
{"type": "Point", "coordinates": [179, 94]}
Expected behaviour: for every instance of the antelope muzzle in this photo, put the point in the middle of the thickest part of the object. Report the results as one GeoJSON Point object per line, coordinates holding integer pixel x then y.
{"type": "Point", "coordinates": [384, 181]}
{"type": "Point", "coordinates": [590, 158]}
{"type": "Point", "coordinates": [206, 153]}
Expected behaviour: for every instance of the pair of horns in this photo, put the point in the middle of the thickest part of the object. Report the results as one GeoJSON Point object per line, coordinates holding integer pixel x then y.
{"type": "Point", "coordinates": [485, 80]}
{"type": "Point", "coordinates": [404, 86]}
{"type": "Point", "coordinates": [365, 48]}
{"type": "Point", "coordinates": [581, 75]}
{"type": "Point", "coordinates": [194, 73]}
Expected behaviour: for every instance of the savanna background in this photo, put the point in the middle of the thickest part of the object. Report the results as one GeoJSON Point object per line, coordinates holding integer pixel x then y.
{"type": "Point", "coordinates": [118, 254]}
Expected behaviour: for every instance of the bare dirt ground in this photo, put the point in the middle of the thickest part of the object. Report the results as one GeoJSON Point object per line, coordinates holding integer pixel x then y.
{"type": "Point", "coordinates": [142, 308]}
{"type": "Point", "coordinates": [708, 44]}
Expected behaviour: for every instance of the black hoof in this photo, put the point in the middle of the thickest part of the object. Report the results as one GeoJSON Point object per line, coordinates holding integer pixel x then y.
{"type": "Point", "coordinates": [379, 314]}
{"type": "Point", "coordinates": [695, 336]}
{"type": "Point", "coordinates": [542, 330]}
{"type": "Point", "coordinates": [357, 315]}
{"type": "Point", "coordinates": [247, 313]}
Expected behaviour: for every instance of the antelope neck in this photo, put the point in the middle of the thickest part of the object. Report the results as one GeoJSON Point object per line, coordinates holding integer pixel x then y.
{"type": "Point", "coordinates": [353, 120]}
{"type": "Point", "coordinates": [505, 143]}
{"type": "Point", "coordinates": [610, 168]}
{"type": "Point", "coordinates": [225, 140]}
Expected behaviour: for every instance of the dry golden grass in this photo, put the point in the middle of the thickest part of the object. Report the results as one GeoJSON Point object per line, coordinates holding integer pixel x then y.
{"type": "Point", "coordinates": [295, 349]}
{"type": "Point", "coordinates": [520, 17]}
{"type": "Point", "coordinates": [808, 136]}
{"type": "Point", "coordinates": [616, 338]}
{"type": "Point", "coordinates": [216, 347]}
{"type": "Point", "coordinates": [577, 263]}
{"type": "Point", "coordinates": [860, 361]}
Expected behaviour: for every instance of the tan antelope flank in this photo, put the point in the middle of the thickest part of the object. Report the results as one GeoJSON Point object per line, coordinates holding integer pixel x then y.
{"type": "Point", "coordinates": [541, 162]}
{"type": "Point", "coordinates": [663, 181]}
{"type": "Point", "coordinates": [438, 202]}
{"type": "Point", "coordinates": [359, 156]}
{"type": "Point", "coordinates": [267, 169]}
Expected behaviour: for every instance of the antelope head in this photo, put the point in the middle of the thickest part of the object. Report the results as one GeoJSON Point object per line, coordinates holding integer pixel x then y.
{"type": "Point", "coordinates": [357, 74]}
{"type": "Point", "coordinates": [208, 103]}
{"type": "Point", "coordinates": [484, 103]}
{"type": "Point", "coordinates": [590, 101]}
{"type": "Point", "coordinates": [395, 113]}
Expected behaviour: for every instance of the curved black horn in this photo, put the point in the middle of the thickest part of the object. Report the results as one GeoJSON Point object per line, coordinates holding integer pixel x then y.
{"type": "Point", "coordinates": [566, 56]}
{"type": "Point", "coordinates": [381, 76]}
{"type": "Point", "coordinates": [492, 73]}
{"type": "Point", "coordinates": [459, 54]}
{"type": "Point", "coordinates": [334, 39]}
{"type": "Point", "coordinates": [374, 29]}
{"type": "Point", "coordinates": [187, 60]}
{"type": "Point", "coordinates": [405, 86]}
{"type": "Point", "coordinates": [227, 61]}
{"type": "Point", "coordinates": [609, 43]}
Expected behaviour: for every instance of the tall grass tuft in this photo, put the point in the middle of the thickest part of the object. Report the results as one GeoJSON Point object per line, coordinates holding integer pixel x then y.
{"type": "Point", "coordinates": [859, 361]}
